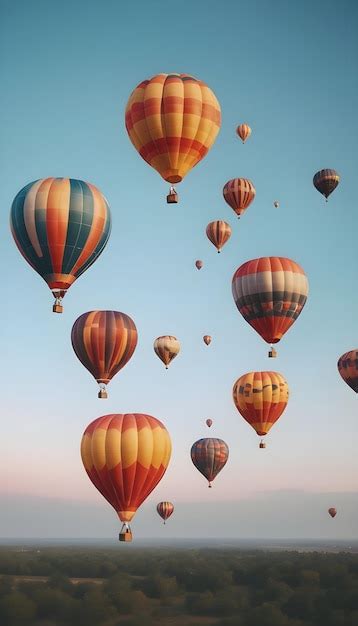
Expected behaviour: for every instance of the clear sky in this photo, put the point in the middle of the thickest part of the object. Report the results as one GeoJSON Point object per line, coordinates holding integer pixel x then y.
{"type": "Point", "coordinates": [289, 69]}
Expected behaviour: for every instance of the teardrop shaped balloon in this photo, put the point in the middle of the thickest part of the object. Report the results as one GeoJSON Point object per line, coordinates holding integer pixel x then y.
{"type": "Point", "coordinates": [60, 226]}
{"type": "Point", "coordinates": [348, 368]}
{"type": "Point", "coordinates": [199, 264]}
{"type": "Point", "coordinates": [243, 131]}
{"type": "Point", "coordinates": [172, 120]}
{"type": "Point", "coordinates": [166, 348]}
{"type": "Point", "coordinates": [270, 293]}
{"type": "Point", "coordinates": [276, 204]}
{"type": "Point", "coordinates": [326, 181]}
{"type": "Point", "coordinates": [332, 511]}
{"type": "Point", "coordinates": [239, 193]}
{"type": "Point", "coordinates": [165, 509]}
{"type": "Point", "coordinates": [125, 457]}
{"type": "Point", "coordinates": [209, 457]}
{"type": "Point", "coordinates": [104, 342]}
{"type": "Point", "coordinates": [207, 339]}
{"type": "Point", "coordinates": [218, 232]}
{"type": "Point", "coordinates": [261, 398]}
{"type": "Point", "coordinates": [209, 423]}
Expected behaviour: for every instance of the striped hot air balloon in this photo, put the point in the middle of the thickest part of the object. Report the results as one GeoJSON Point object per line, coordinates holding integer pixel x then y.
{"type": "Point", "coordinates": [172, 121]}
{"type": "Point", "coordinates": [125, 457]}
{"type": "Point", "coordinates": [166, 348]}
{"type": "Point", "coordinates": [348, 368]}
{"type": "Point", "coordinates": [218, 232]}
{"type": "Point", "coordinates": [61, 226]}
{"type": "Point", "coordinates": [209, 457]}
{"type": "Point", "coordinates": [270, 293]}
{"type": "Point", "coordinates": [243, 131]}
{"type": "Point", "coordinates": [239, 193]}
{"type": "Point", "coordinates": [261, 398]}
{"type": "Point", "coordinates": [104, 342]}
{"type": "Point", "coordinates": [326, 181]}
{"type": "Point", "coordinates": [165, 509]}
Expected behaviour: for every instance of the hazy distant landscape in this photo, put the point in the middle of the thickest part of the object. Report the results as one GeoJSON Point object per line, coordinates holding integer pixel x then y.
{"type": "Point", "coordinates": [64, 585]}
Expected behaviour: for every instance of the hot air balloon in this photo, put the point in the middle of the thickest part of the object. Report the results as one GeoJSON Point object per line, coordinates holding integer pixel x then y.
{"type": "Point", "coordinates": [332, 511]}
{"type": "Point", "coordinates": [239, 193]}
{"type": "Point", "coordinates": [165, 510]}
{"type": "Point", "coordinates": [207, 339]}
{"type": "Point", "coordinates": [270, 293]}
{"type": "Point", "coordinates": [172, 121]}
{"type": "Point", "coordinates": [167, 348]}
{"type": "Point", "coordinates": [209, 422]}
{"type": "Point", "coordinates": [125, 457]}
{"type": "Point", "coordinates": [218, 232]}
{"type": "Point", "coordinates": [244, 132]}
{"type": "Point", "coordinates": [209, 457]}
{"type": "Point", "coordinates": [326, 181]}
{"type": "Point", "coordinates": [261, 398]}
{"type": "Point", "coordinates": [104, 341]}
{"type": "Point", "coordinates": [348, 368]}
{"type": "Point", "coordinates": [60, 226]}
{"type": "Point", "coordinates": [276, 204]}
{"type": "Point", "coordinates": [199, 264]}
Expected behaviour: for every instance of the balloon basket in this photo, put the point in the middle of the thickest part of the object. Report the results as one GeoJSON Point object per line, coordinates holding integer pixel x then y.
{"type": "Point", "coordinates": [126, 535]}
{"type": "Point", "coordinates": [272, 353]}
{"type": "Point", "coordinates": [262, 445]}
{"type": "Point", "coordinates": [172, 198]}
{"type": "Point", "coordinates": [102, 394]}
{"type": "Point", "coordinates": [57, 308]}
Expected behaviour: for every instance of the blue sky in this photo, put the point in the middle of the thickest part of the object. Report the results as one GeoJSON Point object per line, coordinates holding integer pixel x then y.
{"type": "Point", "coordinates": [290, 71]}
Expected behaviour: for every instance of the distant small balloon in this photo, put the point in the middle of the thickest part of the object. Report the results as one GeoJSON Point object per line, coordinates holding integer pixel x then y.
{"type": "Point", "coordinates": [276, 204]}
{"type": "Point", "coordinates": [207, 339]}
{"type": "Point", "coordinates": [332, 511]}
{"type": "Point", "coordinates": [218, 232]}
{"type": "Point", "coordinates": [348, 368]}
{"type": "Point", "coordinates": [209, 422]}
{"type": "Point", "coordinates": [243, 131]}
{"type": "Point", "coordinates": [199, 264]}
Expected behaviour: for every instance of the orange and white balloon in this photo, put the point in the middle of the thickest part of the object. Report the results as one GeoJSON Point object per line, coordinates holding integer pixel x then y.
{"type": "Point", "coordinates": [166, 348]}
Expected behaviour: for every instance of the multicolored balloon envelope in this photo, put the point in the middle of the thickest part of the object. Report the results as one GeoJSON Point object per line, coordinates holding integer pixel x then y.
{"type": "Point", "coordinates": [104, 342]}
{"type": "Point", "coordinates": [61, 226]}
{"type": "Point", "coordinates": [261, 398]}
{"type": "Point", "coordinates": [332, 511]}
{"type": "Point", "coordinates": [172, 120]}
{"type": "Point", "coordinates": [239, 193]}
{"type": "Point", "coordinates": [125, 457]}
{"type": "Point", "coordinates": [243, 131]}
{"type": "Point", "coordinates": [218, 232]}
{"type": "Point", "coordinates": [270, 293]}
{"type": "Point", "coordinates": [166, 348]}
{"type": "Point", "coordinates": [348, 368]}
{"type": "Point", "coordinates": [326, 181]}
{"type": "Point", "coordinates": [209, 457]}
{"type": "Point", "coordinates": [165, 510]}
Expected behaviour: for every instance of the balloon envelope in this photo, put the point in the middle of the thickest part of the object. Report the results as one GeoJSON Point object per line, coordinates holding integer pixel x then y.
{"type": "Point", "coordinates": [209, 422]}
{"type": "Point", "coordinates": [172, 121]}
{"type": "Point", "coordinates": [332, 511]}
{"type": "Point", "coordinates": [270, 293]}
{"type": "Point", "coordinates": [166, 348]}
{"type": "Point", "coordinates": [218, 232]}
{"type": "Point", "coordinates": [348, 368]}
{"type": "Point", "coordinates": [207, 339]}
{"type": "Point", "coordinates": [199, 264]}
{"type": "Point", "coordinates": [60, 226]}
{"type": "Point", "coordinates": [326, 181]}
{"type": "Point", "coordinates": [125, 457]}
{"type": "Point", "coordinates": [261, 398]}
{"type": "Point", "coordinates": [243, 131]}
{"type": "Point", "coordinates": [104, 342]}
{"type": "Point", "coordinates": [239, 193]}
{"type": "Point", "coordinates": [209, 456]}
{"type": "Point", "coordinates": [165, 509]}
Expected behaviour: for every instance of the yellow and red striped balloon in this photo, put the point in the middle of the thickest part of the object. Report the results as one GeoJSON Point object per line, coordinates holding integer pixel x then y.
{"type": "Point", "coordinates": [243, 131]}
{"type": "Point", "coordinates": [172, 121]}
{"type": "Point", "coordinates": [239, 193]}
{"type": "Point", "coordinates": [125, 457]}
{"type": "Point", "coordinates": [270, 293]}
{"type": "Point", "coordinates": [60, 226]}
{"type": "Point", "coordinates": [104, 342]}
{"type": "Point", "coordinates": [218, 232]}
{"type": "Point", "coordinates": [348, 368]}
{"type": "Point", "coordinates": [261, 398]}
{"type": "Point", "coordinates": [166, 348]}
{"type": "Point", "coordinates": [165, 509]}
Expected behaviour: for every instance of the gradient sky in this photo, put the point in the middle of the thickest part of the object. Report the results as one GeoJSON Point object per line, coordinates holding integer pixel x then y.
{"type": "Point", "coordinates": [289, 69]}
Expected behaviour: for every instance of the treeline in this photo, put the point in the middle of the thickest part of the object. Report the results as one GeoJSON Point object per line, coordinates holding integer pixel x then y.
{"type": "Point", "coordinates": [167, 587]}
